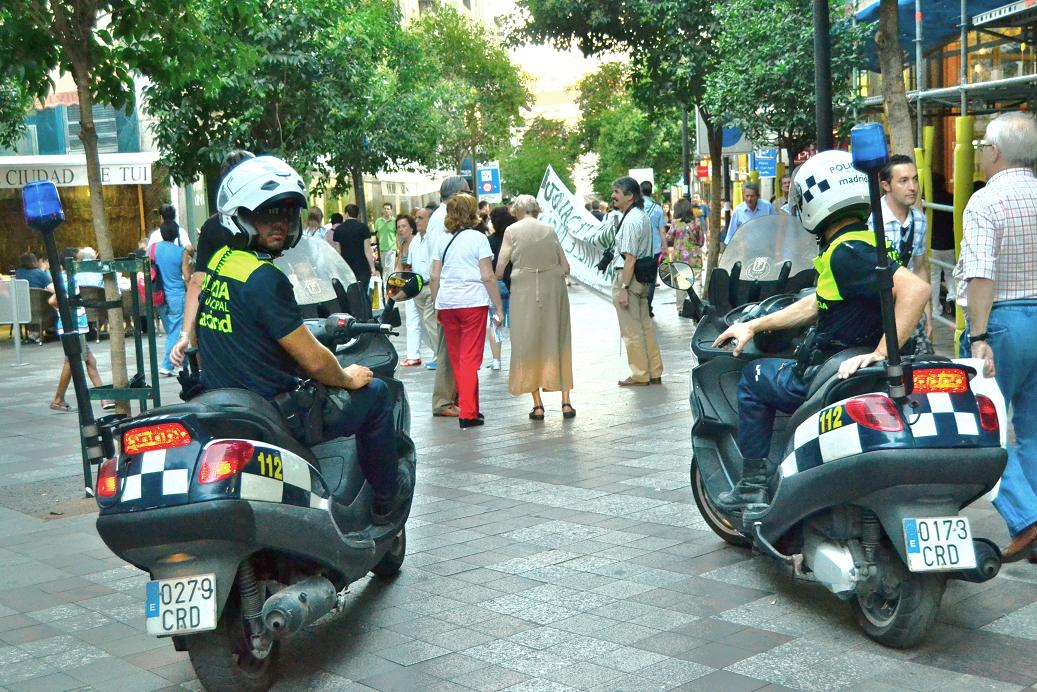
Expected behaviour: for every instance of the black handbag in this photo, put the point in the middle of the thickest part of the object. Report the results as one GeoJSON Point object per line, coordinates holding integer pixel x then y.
{"type": "Point", "coordinates": [646, 269]}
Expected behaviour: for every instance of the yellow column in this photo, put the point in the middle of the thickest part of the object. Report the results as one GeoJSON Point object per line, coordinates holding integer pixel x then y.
{"type": "Point", "coordinates": [964, 166]}
{"type": "Point", "coordinates": [925, 190]}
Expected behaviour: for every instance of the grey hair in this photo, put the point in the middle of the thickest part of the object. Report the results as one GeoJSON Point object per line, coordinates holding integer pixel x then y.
{"type": "Point", "coordinates": [629, 186]}
{"type": "Point", "coordinates": [453, 185]}
{"type": "Point", "coordinates": [527, 204]}
{"type": "Point", "coordinates": [755, 187]}
{"type": "Point", "coordinates": [1015, 134]}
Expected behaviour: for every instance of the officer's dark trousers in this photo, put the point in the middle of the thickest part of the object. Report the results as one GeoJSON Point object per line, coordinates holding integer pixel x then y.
{"type": "Point", "coordinates": [367, 414]}
{"type": "Point", "coordinates": [767, 385]}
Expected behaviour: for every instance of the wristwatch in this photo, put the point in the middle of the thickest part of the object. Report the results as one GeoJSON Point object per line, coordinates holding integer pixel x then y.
{"type": "Point", "coordinates": [978, 337]}
{"type": "Point", "coordinates": [626, 286]}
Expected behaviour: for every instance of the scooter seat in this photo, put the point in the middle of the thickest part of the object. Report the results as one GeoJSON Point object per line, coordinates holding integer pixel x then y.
{"type": "Point", "coordinates": [255, 412]}
{"type": "Point", "coordinates": [830, 367]}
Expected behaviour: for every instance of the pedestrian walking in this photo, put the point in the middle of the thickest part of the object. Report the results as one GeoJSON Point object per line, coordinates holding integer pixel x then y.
{"type": "Point", "coordinates": [81, 327]}
{"type": "Point", "coordinates": [463, 286]}
{"type": "Point", "coordinates": [942, 247]}
{"type": "Point", "coordinates": [385, 232]}
{"type": "Point", "coordinates": [752, 208]}
{"type": "Point", "coordinates": [657, 218]}
{"type": "Point", "coordinates": [541, 343]}
{"type": "Point", "coordinates": [686, 241]}
{"type": "Point", "coordinates": [500, 219]}
{"type": "Point", "coordinates": [406, 233]}
{"type": "Point", "coordinates": [421, 263]}
{"type": "Point", "coordinates": [353, 237]}
{"type": "Point", "coordinates": [997, 282]}
{"type": "Point", "coordinates": [444, 391]}
{"type": "Point", "coordinates": [630, 296]}
{"type": "Point", "coordinates": [173, 263]}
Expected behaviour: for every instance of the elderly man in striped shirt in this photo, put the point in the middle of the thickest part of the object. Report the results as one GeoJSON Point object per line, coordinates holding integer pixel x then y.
{"type": "Point", "coordinates": [997, 278]}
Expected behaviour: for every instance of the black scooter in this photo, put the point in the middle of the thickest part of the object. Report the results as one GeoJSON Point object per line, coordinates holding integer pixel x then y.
{"type": "Point", "coordinates": [869, 488]}
{"type": "Point", "coordinates": [248, 535]}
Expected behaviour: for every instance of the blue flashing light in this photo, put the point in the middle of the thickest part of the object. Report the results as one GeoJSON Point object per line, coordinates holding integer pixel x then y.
{"type": "Point", "coordinates": [868, 142]}
{"type": "Point", "coordinates": [42, 206]}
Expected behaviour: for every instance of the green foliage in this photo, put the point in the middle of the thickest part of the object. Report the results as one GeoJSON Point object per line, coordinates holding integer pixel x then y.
{"type": "Point", "coordinates": [546, 142]}
{"type": "Point", "coordinates": [479, 91]}
{"type": "Point", "coordinates": [622, 133]}
{"type": "Point", "coordinates": [132, 39]}
{"type": "Point", "coordinates": [328, 85]}
{"type": "Point", "coordinates": [764, 77]}
{"type": "Point", "coordinates": [14, 103]}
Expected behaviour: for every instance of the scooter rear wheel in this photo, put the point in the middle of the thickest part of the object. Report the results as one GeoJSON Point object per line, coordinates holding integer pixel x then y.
{"type": "Point", "coordinates": [714, 519]}
{"type": "Point", "coordinates": [223, 658]}
{"type": "Point", "coordinates": [389, 565]}
{"type": "Point", "coordinates": [902, 619]}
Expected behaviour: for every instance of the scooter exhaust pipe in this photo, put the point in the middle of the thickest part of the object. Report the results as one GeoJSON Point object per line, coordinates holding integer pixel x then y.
{"type": "Point", "coordinates": [292, 608]}
{"type": "Point", "coordinates": [988, 562]}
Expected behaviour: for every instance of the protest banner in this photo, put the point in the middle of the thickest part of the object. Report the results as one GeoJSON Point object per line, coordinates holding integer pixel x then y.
{"type": "Point", "coordinates": [582, 236]}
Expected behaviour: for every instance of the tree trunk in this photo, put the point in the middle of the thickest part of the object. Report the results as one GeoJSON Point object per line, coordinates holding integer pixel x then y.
{"type": "Point", "coordinates": [894, 95]}
{"type": "Point", "coordinates": [358, 189]}
{"type": "Point", "coordinates": [81, 69]}
{"type": "Point", "coordinates": [714, 134]}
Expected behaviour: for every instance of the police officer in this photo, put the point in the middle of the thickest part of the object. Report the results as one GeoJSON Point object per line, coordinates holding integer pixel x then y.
{"type": "Point", "coordinates": [251, 333]}
{"type": "Point", "coordinates": [830, 198]}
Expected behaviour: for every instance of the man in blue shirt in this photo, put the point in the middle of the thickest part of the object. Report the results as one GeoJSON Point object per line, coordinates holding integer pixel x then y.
{"type": "Point", "coordinates": [658, 221]}
{"type": "Point", "coordinates": [748, 210]}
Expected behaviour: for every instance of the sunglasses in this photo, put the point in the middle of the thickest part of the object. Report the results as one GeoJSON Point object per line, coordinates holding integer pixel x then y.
{"type": "Point", "coordinates": [981, 144]}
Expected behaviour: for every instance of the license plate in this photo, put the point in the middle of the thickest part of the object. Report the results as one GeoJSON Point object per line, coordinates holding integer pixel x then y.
{"type": "Point", "coordinates": [939, 544]}
{"type": "Point", "coordinates": [178, 606]}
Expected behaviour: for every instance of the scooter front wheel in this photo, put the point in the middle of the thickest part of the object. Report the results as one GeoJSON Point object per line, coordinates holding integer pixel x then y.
{"type": "Point", "coordinates": [224, 658]}
{"type": "Point", "coordinates": [718, 522]}
{"type": "Point", "coordinates": [901, 617]}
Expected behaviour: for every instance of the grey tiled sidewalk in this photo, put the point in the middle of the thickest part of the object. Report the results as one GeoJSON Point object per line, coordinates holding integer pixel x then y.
{"type": "Point", "coordinates": [542, 556]}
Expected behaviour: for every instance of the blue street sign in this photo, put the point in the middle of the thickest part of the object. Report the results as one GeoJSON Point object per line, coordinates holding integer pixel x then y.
{"type": "Point", "coordinates": [489, 182]}
{"type": "Point", "coordinates": [765, 162]}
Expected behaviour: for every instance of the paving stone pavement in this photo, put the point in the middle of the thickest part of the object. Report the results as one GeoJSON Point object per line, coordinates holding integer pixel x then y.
{"type": "Point", "coordinates": [542, 556]}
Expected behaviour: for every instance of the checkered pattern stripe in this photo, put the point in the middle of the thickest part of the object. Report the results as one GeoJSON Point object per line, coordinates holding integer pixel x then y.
{"type": "Point", "coordinates": [944, 415]}
{"type": "Point", "coordinates": [300, 484]}
{"type": "Point", "coordinates": [812, 185]}
{"type": "Point", "coordinates": [812, 448]}
{"type": "Point", "coordinates": [152, 480]}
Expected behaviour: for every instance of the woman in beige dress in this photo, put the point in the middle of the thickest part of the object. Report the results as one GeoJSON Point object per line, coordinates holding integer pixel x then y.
{"type": "Point", "coordinates": [541, 339]}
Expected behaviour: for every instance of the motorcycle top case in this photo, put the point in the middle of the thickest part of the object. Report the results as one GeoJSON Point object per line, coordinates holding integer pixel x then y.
{"type": "Point", "coordinates": [164, 458]}
{"type": "Point", "coordinates": [929, 421]}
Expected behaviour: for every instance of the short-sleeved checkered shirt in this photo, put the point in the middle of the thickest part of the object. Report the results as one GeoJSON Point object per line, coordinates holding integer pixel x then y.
{"type": "Point", "coordinates": [999, 240]}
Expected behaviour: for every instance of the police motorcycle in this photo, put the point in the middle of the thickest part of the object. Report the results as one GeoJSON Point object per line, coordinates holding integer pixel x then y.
{"type": "Point", "coordinates": [869, 480]}
{"type": "Point", "coordinates": [249, 534]}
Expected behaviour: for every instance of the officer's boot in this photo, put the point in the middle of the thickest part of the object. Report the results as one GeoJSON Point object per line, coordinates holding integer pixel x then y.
{"type": "Point", "coordinates": [750, 492]}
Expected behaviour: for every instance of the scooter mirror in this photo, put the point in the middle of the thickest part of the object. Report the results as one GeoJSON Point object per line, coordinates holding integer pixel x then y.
{"type": "Point", "coordinates": [678, 275]}
{"type": "Point", "coordinates": [401, 286]}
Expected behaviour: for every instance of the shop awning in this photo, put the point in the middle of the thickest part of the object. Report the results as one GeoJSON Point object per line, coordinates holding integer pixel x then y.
{"type": "Point", "coordinates": [941, 24]}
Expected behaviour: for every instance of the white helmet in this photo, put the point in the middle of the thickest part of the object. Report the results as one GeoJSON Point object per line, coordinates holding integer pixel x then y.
{"type": "Point", "coordinates": [256, 184]}
{"type": "Point", "coordinates": [828, 188]}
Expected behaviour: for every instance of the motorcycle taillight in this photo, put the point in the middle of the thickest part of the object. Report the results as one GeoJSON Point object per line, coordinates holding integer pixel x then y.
{"type": "Point", "coordinates": [223, 459]}
{"type": "Point", "coordinates": [151, 438]}
{"type": "Point", "coordinates": [987, 414]}
{"type": "Point", "coordinates": [940, 380]}
{"type": "Point", "coordinates": [876, 412]}
{"type": "Point", "coordinates": [108, 478]}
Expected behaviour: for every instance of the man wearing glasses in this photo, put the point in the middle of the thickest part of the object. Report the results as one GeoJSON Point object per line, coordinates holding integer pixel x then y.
{"type": "Point", "coordinates": [998, 286]}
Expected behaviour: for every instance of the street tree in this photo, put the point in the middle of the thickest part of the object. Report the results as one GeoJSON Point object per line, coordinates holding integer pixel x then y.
{"type": "Point", "coordinates": [100, 43]}
{"type": "Point", "coordinates": [479, 90]}
{"type": "Point", "coordinates": [624, 135]}
{"type": "Point", "coordinates": [763, 78]}
{"type": "Point", "coordinates": [894, 93]}
{"type": "Point", "coordinates": [336, 87]}
{"type": "Point", "coordinates": [14, 104]}
{"type": "Point", "coordinates": [546, 142]}
{"type": "Point", "coordinates": [670, 45]}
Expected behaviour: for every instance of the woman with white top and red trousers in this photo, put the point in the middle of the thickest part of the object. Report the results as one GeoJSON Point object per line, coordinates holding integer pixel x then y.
{"type": "Point", "coordinates": [463, 287]}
